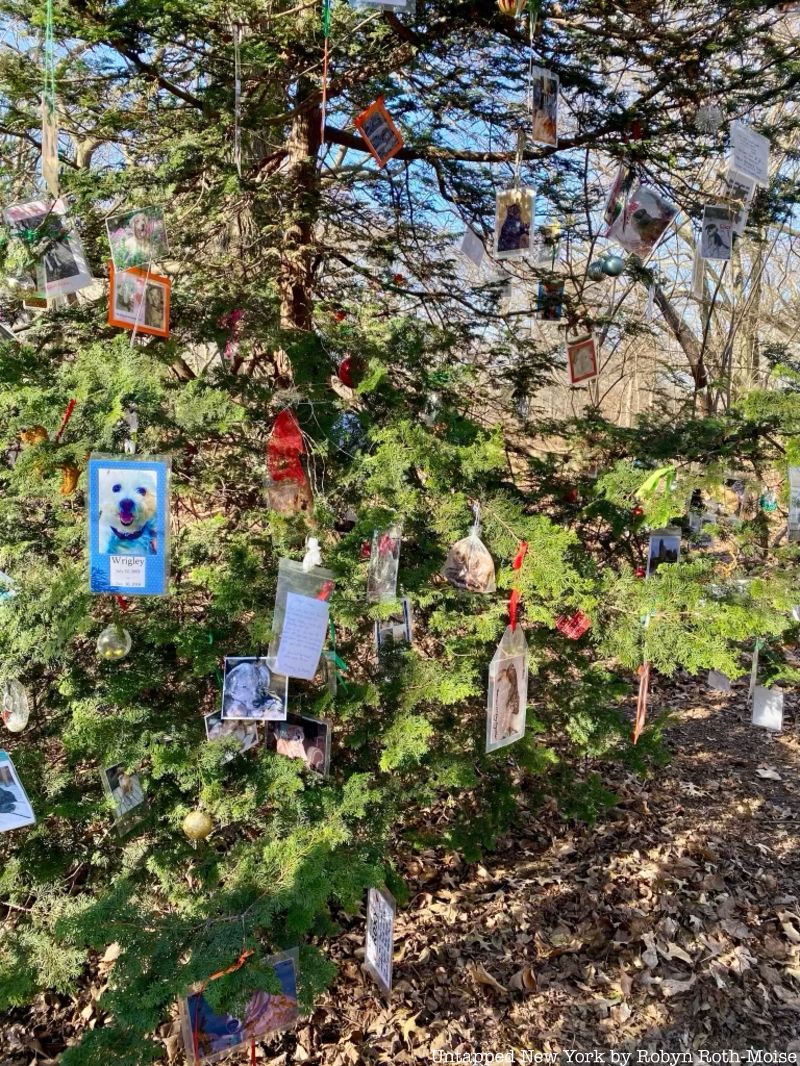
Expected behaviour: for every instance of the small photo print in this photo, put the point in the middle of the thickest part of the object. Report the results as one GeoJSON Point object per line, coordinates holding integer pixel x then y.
{"type": "Point", "coordinates": [62, 266]}
{"type": "Point", "coordinates": [794, 502]}
{"type": "Point", "coordinates": [208, 1035]}
{"type": "Point", "coordinates": [396, 630]}
{"type": "Point", "coordinates": [139, 300]}
{"type": "Point", "coordinates": [128, 525]}
{"type": "Point", "coordinates": [717, 235]}
{"type": "Point", "coordinates": [645, 217]}
{"type": "Point", "coordinates": [384, 562]}
{"type": "Point", "coordinates": [472, 247]}
{"type": "Point", "coordinates": [618, 194]}
{"type": "Point", "coordinates": [137, 237]}
{"type": "Point", "coordinates": [550, 301]}
{"type": "Point", "coordinates": [582, 359]}
{"type": "Point", "coordinates": [243, 732]}
{"type": "Point", "coordinates": [124, 789]}
{"type": "Point", "coordinates": [303, 738]}
{"type": "Point", "coordinates": [507, 703]}
{"type": "Point", "coordinates": [383, 138]}
{"type": "Point", "coordinates": [379, 946]}
{"type": "Point", "coordinates": [665, 547]}
{"type": "Point", "coordinates": [15, 807]}
{"type": "Point", "coordinates": [545, 106]}
{"type": "Point", "coordinates": [512, 225]}
{"type": "Point", "coordinates": [252, 691]}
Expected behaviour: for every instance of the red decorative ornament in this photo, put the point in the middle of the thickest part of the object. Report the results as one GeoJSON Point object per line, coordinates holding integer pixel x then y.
{"type": "Point", "coordinates": [574, 626]}
{"type": "Point", "coordinates": [640, 571]}
{"type": "Point", "coordinates": [637, 512]}
{"type": "Point", "coordinates": [284, 448]}
{"type": "Point", "coordinates": [345, 372]}
{"type": "Point", "coordinates": [571, 496]}
{"type": "Point", "coordinates": [399, 279]}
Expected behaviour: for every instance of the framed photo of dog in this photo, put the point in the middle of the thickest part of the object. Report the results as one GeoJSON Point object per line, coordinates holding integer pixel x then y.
{"type": "Point", "coordinates": [139, 300]}
{"type": "Point", "coordinates": [128, 525]}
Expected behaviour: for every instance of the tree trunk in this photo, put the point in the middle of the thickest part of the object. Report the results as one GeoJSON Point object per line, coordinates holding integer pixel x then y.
{"type": "Point", "coordinates": [691, 349]}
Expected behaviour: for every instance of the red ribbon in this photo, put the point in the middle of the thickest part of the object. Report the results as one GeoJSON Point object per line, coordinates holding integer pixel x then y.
{"type": "Point", "coordinates": [641, 702]}
{"type": "Point", "coordinates": [220, 973]}
{"type": "Point", "coordinates": [326, 590]}
{"type": "Point", "coordinates": [122, 603]}
{"type": "Point", "coordinates": [513, 600]}
{"type": "Point", "coordinates": [65, 419]}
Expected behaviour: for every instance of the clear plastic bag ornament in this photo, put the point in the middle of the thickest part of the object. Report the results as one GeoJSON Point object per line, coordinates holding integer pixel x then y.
{"type": "Point", "coordinates": [469, 566]}
{"type": "Point", "coordinates": [15, 706]}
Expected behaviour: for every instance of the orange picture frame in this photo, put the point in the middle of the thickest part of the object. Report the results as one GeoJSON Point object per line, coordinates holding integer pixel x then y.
{"type": "Point", "coordinates": [582, 357]}
{"type": "Point", "coordinates": [380, 134]}
{"type": "Point", "coordinates": [125, 292]}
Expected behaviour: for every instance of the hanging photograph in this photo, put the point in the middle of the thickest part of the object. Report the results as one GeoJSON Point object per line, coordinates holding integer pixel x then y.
{"type": "Point", "coordinates": [252, 691]}
{"type": "Point", "coordinates": [15, 807]}
{"type": "Point", "coordinates": [749, 153]}
{"type": "Point", "coordinates": [618, 195]}
{"type": "Point", "coordinates": [664, 547]}
{"type": "Point", "coordinates": [545, 106]}
{"type": "Point", "coordinates": [472, 248]}
{"type": "Point", "coordinates": [717, 235]}
{"type": "Point", "coordinates": [300, 737]}
{"type": "Point", "coordinates": [244, 733]}
{"type": "Point", "coordinates": [379, 946]}
{"type": "Point", "coordinates": [207, 1036]}
{"type": "Point", "coordinates": [404, 7]}
{"type": "Point", "coordinates": [793, 518]}
{"type": "Point", "coordinates": [550, 301]}
{"type": "Point", "coordinates": [512, 226]}
{"type": "Point", "coordinates": [139, 300]}
{"type": "Point", "coordinates": [582, 359]}
{"type": "Point", "coordinates": [43, 225]}
{"type": "Point", "coordinates": [768, 708]}
{"type": "Point", "coordinates": [396, 630]}
{"type": "Point", "coordinates": [507, 699]}
{"type": "Point", "coordinates": [643, 221]}
{"type": "Point", "coordinates": [128, 525]}
{"type": "Point", "coordinates": [384, 562]}
{"type": "Point", "coordinates": [741, 190]}
{"type": "Point", "coordinates": [137, 238]}
{"type": "Point", "coordinates": [383, 138]}
{"type": "Point", "coordinates": [124, 790]}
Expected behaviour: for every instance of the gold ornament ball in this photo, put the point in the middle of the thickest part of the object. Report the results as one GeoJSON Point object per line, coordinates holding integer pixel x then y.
{"type": "Point", "coordinates": [197, 825]}
{"type": "Point", "coordinates": [113, 643]}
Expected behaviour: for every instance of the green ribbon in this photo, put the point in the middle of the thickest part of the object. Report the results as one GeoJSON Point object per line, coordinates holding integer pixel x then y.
{"type": "Point", "coordinates": [49, 56]}
{"type": "Point", "coordinates": [327, 11]}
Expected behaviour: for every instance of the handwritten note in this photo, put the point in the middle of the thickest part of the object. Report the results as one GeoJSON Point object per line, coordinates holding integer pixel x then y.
{"type": "Point", "coordinates": [305, 626]}
{"type": "Point", "coordinates": [750, 153]}
{"type": "Point", "coordinates": [379, 947]}
{"type": "Point", "coordinates": [128, 571]}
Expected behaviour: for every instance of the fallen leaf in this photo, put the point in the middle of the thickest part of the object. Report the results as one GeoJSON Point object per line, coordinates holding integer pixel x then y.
{"type": "Point", "coordinates": [523, 980]}
{"type": "Point", "coordinates": [478, 973]}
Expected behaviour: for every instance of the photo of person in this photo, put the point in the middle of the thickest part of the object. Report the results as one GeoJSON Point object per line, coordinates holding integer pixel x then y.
{"type": "Point", "coordinates": [717, 233]}
{"type": "Point", "coordinates": [665, 547]}
{"type": "Point", "coordinates": [512, 227]}
{"type": "Point", "coordinates": [300, 737]}
{"type": "Point", "coordinates": [549, 300]}
{"type": "Point", "coordinates": [643, 221]}
{"type": "Point", "coordinates": [128, 508]}
{"type": "Point", "coordinates": [243, 732]}
{"type": "Point", "coordinates": [384, 562]}
{"type": "Point", "coordinates": [396, 630]}
{"type": "Point", "coordinates": [383, 138]}
{"type": "Point", "coordinates": [137, 238]}
{"type": "Point", "coordinates": [507, 700]}
{"type": "Point", "coordinates": [43, 225]}
{"type": "Point", "coordinates": [252, 691]}
{"type": "Point", "coordinates": [582, 358]}
{"type": "Point", "coordinates": [123, 788]}
{"type": "Point", "coordinates": [208, 1035]}
{"type": "Point", "coordinates": [15, 807]}
{"type": "Point", "coordinates": [139, 301]}
{"type": "Point", "coordinates": [545, 106]}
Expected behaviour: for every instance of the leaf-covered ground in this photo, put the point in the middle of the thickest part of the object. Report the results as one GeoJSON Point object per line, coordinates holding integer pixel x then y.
{"type": "Point", "coordinates": [674, 925]}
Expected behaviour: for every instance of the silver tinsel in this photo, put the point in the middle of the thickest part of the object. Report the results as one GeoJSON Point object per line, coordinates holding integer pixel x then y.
{"type": "Point", "coordinates": [708, 118]}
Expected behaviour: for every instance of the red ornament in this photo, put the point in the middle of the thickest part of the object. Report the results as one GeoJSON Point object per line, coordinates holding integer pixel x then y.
{"type": "Point", "coordinates": [571, 496]}
{"type": "Point", "coordinates": [345, 372]}
{"type": "Point", "coordinates": [574, 626]}
{"type": "Point", "coordinates": [637, 512]}
{"type": "Point", "coordinates": [284, 448]}
{"type": "Point", "coordinates": [399, 279]}
{"type": "Point", "coordinates": [640, 571]}
{"type": "Point", "coordinates": [340, 316]}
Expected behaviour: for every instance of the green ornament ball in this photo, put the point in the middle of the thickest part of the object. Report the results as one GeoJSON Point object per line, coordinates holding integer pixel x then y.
{"type": "Point", "coordinates": [613, 265]}
{"type": "Point", "coordinates": [596, 271]}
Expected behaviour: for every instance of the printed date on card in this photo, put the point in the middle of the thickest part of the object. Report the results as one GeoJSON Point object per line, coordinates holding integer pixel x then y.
{"type": "Point", "coordinates": [128, 571]}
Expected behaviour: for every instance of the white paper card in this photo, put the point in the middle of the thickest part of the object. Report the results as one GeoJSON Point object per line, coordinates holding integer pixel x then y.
{"type": "Point", "coordinates": [719, 681]}
{"type": "Point", "coordinates": [305, 626]}
{"type": "Point", "coordinates": [379, 947]}
{"type": "Point", "coordinates": [717, 235]}
{"type": "Point", "coordinates": [128, 571]}
{"type": "Point", "coordinates": [750, 153]}
{"type": "Point", "coordinates": [768, 708]}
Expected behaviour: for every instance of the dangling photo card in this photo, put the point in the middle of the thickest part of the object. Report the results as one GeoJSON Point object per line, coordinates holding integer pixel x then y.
{"type": "Point", "coordinates": [15, 807]}
{"type": "Point", "coordinates": [139, 300]}
{"type": "Point", "coordinates": [507, 698]}
{"type": "Point", "coordinates": [664, 547]}
{"type": "Point", "coordinates": [618, 195]}
{"type": "Point", "coordinates": [137, 238]}
{"type": "Point", "coordinates": [749, 153]}
{"type": "Point", "coordinates": [643, 221]}
{"type": "Point", "coordinates": [128, 525]}
{"type": "Point", "coordinates": [379, 946]}
{"type": "Point", "coordinates": [300, 737]}
{"type": "Point", "coordinates": [381, 135]}
{"type": "Point", "coordinates": [240, 731]}
{"type": "Point", "coordinates": [125, 792]}
{"type": "Point", "coordinates": [396, 630]}
{"type": "Point", "coordinates": [252, 691]}
{"type": "Point", "coordinates": [717, 236]}
{"type": "Point", "coordinates": [545, 106]}
{"type": "Point", "coordinates": [384, 562]}
{"type": "Point", "coordinates": [512, 224]}
{"type": "Point", "coordinates": [62, 266]}
{"type": "Point", "coordinates": [550, 301]}
{"type": "Point", "coordinates": [582, 359]}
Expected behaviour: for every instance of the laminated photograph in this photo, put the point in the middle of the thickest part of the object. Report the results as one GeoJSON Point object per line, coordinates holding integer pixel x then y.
{"type": "Point", "coordinates": [61, 268]}
{"type": "Point", "coordinates": [793, 519]}
{"type": "Point", "coordinates": [128, 525]}
{"type": "Point", "coordinates": [208, 1036]}
{"type": "Point", "coordinates": [384, 562]}
{"type": "Point", "coordinates": [382, 137]}
{"type": "Point", "coordinates": [507, 698]}
{"type": "Point", "coordinates": [512, 225]}
{"type": "Point", "coordinates": [717, 233]}
{"type": "Point", "coordinates": [749, 153]}
{"type": "Point", "coordinates": [664, 547]}
{"type": "Point", "coordinates": [304, 738]}
{"type": "Point", "coordinates": [139, 300]}
{"type": "Point", "coordinates": [252, 691]}
{"type": "Point", "coordinates": [379, 946]}
{"type": "Point", "coordinates": [550, 301]}
{"type": "Point", "coordinates": [544, 87]}
{"type": "Point", "coordinates": [618, 195]}
{"type": "Point", "coordinates": [400, 7]}
{"type": "Point", "coordinates": [236, 730]}
{"type": "Point", "coordinates": [741, 190]}
{"type": "Point", "coordinates": [125, 792]}
{"type": "Point", "coordinates": [643, 221]}
{"type": "Point", "coordinates": [137, 238]}
{"type": "Point", "coordinates": [582, 359]}
{"type": "Point", "coordinates": [15, 807]}
{"type": "Point", "coordinates": [315, 583]}
{"type": "Point", "coordinates": [768, 708]}
{"type": "Point", "coordinates": [396, 630]}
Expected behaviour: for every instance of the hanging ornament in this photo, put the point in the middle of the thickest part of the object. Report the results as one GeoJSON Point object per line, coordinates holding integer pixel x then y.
{"type": "Point", "coordinates": [69, 478]}
{"type": "Point", "coordinates": [197, 825]}
{"type": "Point", "coordinates": [34, 435]}
{"type": "Point", "coordinates": [613, 265]}
{"type": "Point", "coordinates": [288, 489]}
{"type": "Point", "coordinates": [345, 372]}
{"type": "Point", "coordinates": [573, 626]}
{"type": "Point", "coordinates": [15, 706]}
{"type": "Point", "coordinates": [113, 643]}
{"type": "Point", "coordinates": [708, 118]}
{"type": "Point", "coordinates": [469, 566]}
{"type": "Point", "coordinates": [767, 501]}
{"type": "Point", "coordinates": [596, 271]}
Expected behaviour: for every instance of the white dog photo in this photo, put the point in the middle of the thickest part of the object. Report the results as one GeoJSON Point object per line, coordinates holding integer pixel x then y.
{"type": "Point", "coordinates": [128, 511]}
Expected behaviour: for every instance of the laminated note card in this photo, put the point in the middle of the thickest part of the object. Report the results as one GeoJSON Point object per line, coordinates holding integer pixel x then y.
{"type": "Point", "coordinates": [768, 708]}
{"type": "Point", "coordinates": [379, 947]}
{"type": "Point", "coordinates": [750, 153]}
{"type": "Point", "coordinates": [305, 626]}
